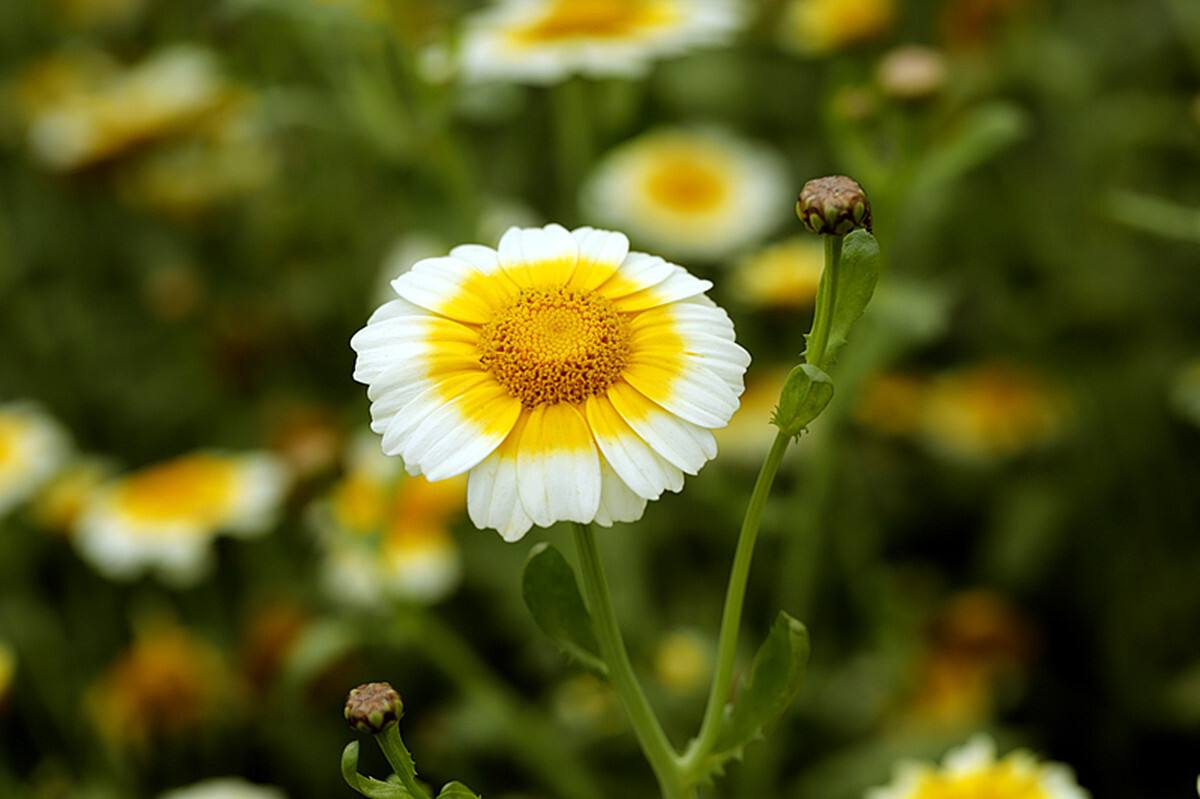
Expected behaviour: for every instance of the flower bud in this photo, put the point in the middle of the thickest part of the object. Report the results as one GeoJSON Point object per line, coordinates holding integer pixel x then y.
{"type": "Point", "coordinates": [833, 206]}
{"type": "Point", "coordinates": [373, 707]}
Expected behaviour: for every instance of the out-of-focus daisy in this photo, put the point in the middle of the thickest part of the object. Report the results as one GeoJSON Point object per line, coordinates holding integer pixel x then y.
{"type": "Point", "coordinates": [585, 703]}
{"type": "Point", "coordinates": [817, 27]}
{"type": "Point", "coordinates": [165, 517]}
{"type": "Point", "coordinates": [59, 503]}
{"type": "Point", "coordinates": [781, 275]}
{"type": "Point", "coordinates": [168, 683]}
{"type": "Point", "coordinates": [692, 192]}
{"type": "Point", "coordinates": [387, 535]}
{"type": "Point", "coordinates": [973, 771]}
{"type": "Point", "coordinates": [750, 432]}
{"type": "Point", "coordinates": [1185, 392]}
{"type": "Point", "coordinates": [82, 109]}
{"type": "Point", "coordinates": [683, 662]}
{"type": "Point", "coordinates": [224, 788]}
{"type": "Point", "coordinates": [893, 403]}
{"type": "Point", "coordinates": [912, 72]}
{"type": "Point", "coordinates": [8, 670]}
{"type": "Point", "coordinates": [33, 447]}
{"type": "Point", "coordinates": [573, 379]}
{"type": "Point", "coordinates": [545, 41]}
{"type": "Point", "coordinates": [991, 411]}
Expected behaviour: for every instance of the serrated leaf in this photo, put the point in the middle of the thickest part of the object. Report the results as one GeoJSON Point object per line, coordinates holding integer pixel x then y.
{"type": "Point", "coordinates": [552, 596]}
{"type": "Point", "coordinates": [805, 394]}
{"type": "Point", "coordinates": [456, 790]}
{"type": "Point", "coordinates": [857, 276]}
{"type": "Point", "coordinates": [773, 682]}
{"type": "Point", "coordinates": [368, 786]}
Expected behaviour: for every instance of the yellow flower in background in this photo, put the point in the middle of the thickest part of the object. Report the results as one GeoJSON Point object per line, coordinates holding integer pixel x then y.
{"type": "Point", "coordinates": [571, 378]}
{"type": "Point", "coordinates": [692, 192]}
{"type": "Point", "coordinates": [1185, 392]}
{"type": "Point", "coordinates": [585, 703]}
{"type": "Point", "coordinates": [59, 503]}
{"type": "Point", "coordinates": [164, 517]}
{"type": "Point", "coordinates": [991, 411]}
{"type": "Point", "coordinates": [781, 275]}
{"type": "Point", "coordinates": [974, 772]}
{"type": "Point", "coordinates": [169, 683]}
{"type": "Point", "coordinates": [818, 27]}
{"type": "Point", "coordinates": [224, 788]}
{"type": "Point", "coordinates": [545, 41]}
{"type": "Point", "coordinates": [8, 670]}
{"type": "Point", "coordinates": [749, 433]}
{"type": "Point", "coordinates": [82, 108]}
{"type": "Point", "coordinates": [33, 447]}
{"type": "Point", "coordinates": [893, 403]}
{"type": "Point", "coordinates": [683, 662]}
{"type": "Point", "coordinates": [387, 535]}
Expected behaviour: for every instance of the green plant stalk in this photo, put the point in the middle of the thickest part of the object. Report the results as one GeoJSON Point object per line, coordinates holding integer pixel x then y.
{"type": "Point", "coordinates": [735, 594]}
{"type": "Point", "coordinates": [649, 732]}
{"type": "Point", "coordinates": [572, 139]}
{"type": "Point", "coordinates": [401, 760]}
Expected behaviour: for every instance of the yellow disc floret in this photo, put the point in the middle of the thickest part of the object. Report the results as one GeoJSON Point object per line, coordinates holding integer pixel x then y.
{"type": "Point", "coordinates": [1002, 780]}
{"type": "Point", "coordinates": [194, 487]}
{"type": "Point", "coordinates": [569, 20]}
{"type": "Point", "coordinates": [555, 345]}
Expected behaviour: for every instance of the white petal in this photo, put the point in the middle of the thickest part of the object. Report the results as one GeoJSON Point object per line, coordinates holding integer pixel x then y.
{"type": "Point", "coordinates": [557, 466]}
{"type": "Point", "coordinates": [461, 433]}
{"type": "Point", "coordinates": [601, 253]}
{"type": "Point", "coordinates": [686, 388]}
{"type": "Point", "coordinates": [538, 256]}
{"type": "Point", "coordinates": [685, 445]}
{"type": "Point", "coordinates": [618, 502]}
{"type": "Point", "coordinates": [492, 497]}
{"type": "Point", "coordinates": [645, 471]}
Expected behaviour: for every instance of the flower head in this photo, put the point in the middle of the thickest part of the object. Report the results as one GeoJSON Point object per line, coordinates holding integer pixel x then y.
{"type": "Point", "coordinates": [224, 788]}
{"type": "Point", "coordinates": [33, 447]}
{"type": "Point", "coordinates": [570, 378]}
{"type": "Point", "coordinates": [386, 534]}
{"type": "Point", "coordinates": [973, 771]}
{"type": "Point", "coordinates": [818, 27]}
{"type": "Point", "coordinates": [682, 662]}
{"type": "Point", "coordinates": [693, 192]}
{"type": "Point", "coordinates": [544, 41]}
{"type": "Point", "coordinates": [373, 707]}
{"type": "Point", "coordinates": [833, 206]}
{"type": "Point", "coordinates": [165, 516]}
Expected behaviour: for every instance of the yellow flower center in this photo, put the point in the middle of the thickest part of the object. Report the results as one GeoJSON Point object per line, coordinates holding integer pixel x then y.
{"type": "Point", "coordinates": [10, 431]}
{"type": "Point", "coordinates": [196, 487]}
{"type": "Point", "coordinates": [999, 781]}
{"type": "Point", "coordinates": [686, 184]}
{"type": "Point", "coordinates": [594, 19]}
{"type": "Point", "coordinates": [555, 345]}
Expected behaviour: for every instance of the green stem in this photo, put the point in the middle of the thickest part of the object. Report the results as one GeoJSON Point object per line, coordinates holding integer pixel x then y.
{"type": "Point", "coordinates": [572, 140]}
{"type": "Point", "coordinates": [735, 596]}
{"type": "Point", "coordinates": [620, 671]}
{"type": "Point", "coordinates": [401, 760]}
{"type": "Point", "coordinates": [818, 342]}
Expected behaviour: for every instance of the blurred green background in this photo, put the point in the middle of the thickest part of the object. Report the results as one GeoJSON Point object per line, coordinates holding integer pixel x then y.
{"type": "Point", "coordinates": [996, 525]}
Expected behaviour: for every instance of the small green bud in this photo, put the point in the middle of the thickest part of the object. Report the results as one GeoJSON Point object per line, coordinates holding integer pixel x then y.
{"type": "Point", "coordinates": [833, 206]}
{"type": "Point", "coordinates": [805, 394]}
{"type": "Point", "coordinates": [373, 707]}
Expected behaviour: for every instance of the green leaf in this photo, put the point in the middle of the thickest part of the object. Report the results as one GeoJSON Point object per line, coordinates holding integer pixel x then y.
{"type": "Point", "coordinates": [368, 786]}
{"type": "Point", "coordinates": [978, 138]}
{"type": "Point", "coordinates": [773, 682]}
{"type": "Point", "coordinates": [857, 276]}
{"type": "Point", "coordinates": [805, 394]}
{"type": "Point", "coordinates": [552, 596]}
{"type": "Point", "coordinates": [456, 790]}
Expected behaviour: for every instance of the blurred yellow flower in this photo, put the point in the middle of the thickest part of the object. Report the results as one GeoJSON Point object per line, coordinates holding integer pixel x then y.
{"type": "Point", "coordinates": [691, 192]}
{"type": "Point", "coordinates": [224, 788]}
{"type": "Point", "coordinates": [583, 702]}
{"type": "Point", "coordinates": [81, 108]}
{"type": "Point", "coordinates": [164, 517]}
{"type": "Point", "coordinates": [749, 433]}
{"type": "Point", "coordinates": [387, 535]}
{"type": "Point", "coordinates": [683, 662]}
{"type": "Point", "coordinates": [544, 41]}
{"type": "Point", "coordinates": [893, 403]}
{"type": "Point", "coordinates": [974, 772]}
{"type": "Point", "coordinates": [33, 447]}
{"type": "Point", "coordinates": [781, 275]}
{"type": "Point", "coordinates": [60, 502]}
{"type": "Point", "coordinates": [8, 670]}
{"type": "Point", "coordinates": [817, 27]}
{"type": "Point", "coordinates": [168, 683]}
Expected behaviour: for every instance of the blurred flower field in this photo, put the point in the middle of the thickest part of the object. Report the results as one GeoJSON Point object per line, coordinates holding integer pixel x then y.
{"type": "Point", "coordinates": [991, 534]}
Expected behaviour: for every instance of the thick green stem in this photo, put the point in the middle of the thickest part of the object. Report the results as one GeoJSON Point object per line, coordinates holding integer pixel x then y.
{"type": "Point", "coordinates": [735, 596]}
{"type": "Point", "coordinates": [401, 761]}
{"type": "Point", "coordinates": [620, 671]}
{"type": "Point", "coordinates": [818, 340]}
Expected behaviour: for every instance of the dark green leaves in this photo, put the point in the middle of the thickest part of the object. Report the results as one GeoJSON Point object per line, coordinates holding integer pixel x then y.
{"type": "Point", "coordinates": [805, 394]}
{"type": "Point", "coordinates": [857, 276]}
{"type": "Point", "coordinates": [772, 684]}
{"type": "Point", "coordinates": [368, 786]}
{"type": "Point", "coordinates": [553, 598]}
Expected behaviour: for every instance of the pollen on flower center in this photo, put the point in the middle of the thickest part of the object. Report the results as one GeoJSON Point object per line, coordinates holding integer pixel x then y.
{"type": "Point", "coordinates": [555, 345]}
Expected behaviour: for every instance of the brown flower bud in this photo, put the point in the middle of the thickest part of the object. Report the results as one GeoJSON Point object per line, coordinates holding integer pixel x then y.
{"type": "Point", "coordinates": [833, 206]}
{"type": "Point", "coordinates": [373, 707]}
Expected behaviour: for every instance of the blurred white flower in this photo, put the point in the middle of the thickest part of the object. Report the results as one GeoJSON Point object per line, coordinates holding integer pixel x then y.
{"type": "Point", "coordinates": [164, 517]}
{"type": "Point", "coordinates": [545, 41]}
{"type": "Point", "coordinates": [224, 788]}
{"type": "Point", "coordinates": [33, 448]}
{"type": "Point", "coordinates": [691, 192]}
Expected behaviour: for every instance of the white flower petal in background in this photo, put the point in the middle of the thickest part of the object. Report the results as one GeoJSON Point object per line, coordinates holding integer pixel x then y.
{"type": "Point", "coordinates": [33, 448]}
{"type": "Point", "coordinates": [224, 788]}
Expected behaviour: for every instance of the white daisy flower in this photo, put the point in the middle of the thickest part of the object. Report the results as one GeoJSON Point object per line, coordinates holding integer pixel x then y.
{"type": "Point", "coordinates": [164, 517]}
{"type": "Point", "coordinates": [386, 534]}
{"type": "Point", "coordinates": [692, 192]}
{"type": "Point", "coordinates": [974, 771]}
{"type": "Point", "coordinates": [224, 788]}
{"type": "Point", "coordinates": [544, 41]}
{"type": "Point", "coordinates": [33, 447]}
{"type": "Point", "coordinates": [572, 379]}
